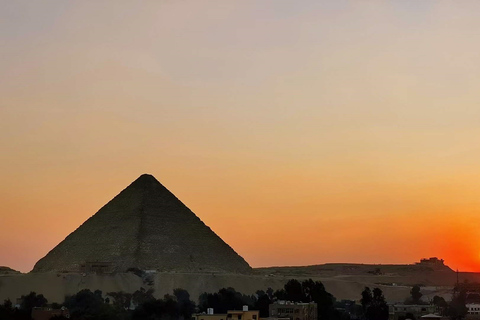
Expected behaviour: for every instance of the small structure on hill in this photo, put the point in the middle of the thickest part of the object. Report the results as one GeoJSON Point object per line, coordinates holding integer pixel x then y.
{"type": "Point", "coordinates": [431, 262]}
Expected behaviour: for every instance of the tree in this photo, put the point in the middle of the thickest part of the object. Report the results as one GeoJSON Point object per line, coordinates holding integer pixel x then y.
{"type": "Point", "coordinates": [7, 304]}
{"type": "Point", "coordinates": [415, 296]}
{"type": "Point", "coordinates": [294, 291]}
{"type": "Point", "coordinates": [262, 303]}
{"type": "Point", "coordinates": [374, 305]}
{"type": "Point", "coordinates": [32, 300]}
{"type": "Point", "coordinates": [441, 304]}
{"type": "Point", "coordinates": [314, 291]}
{"type": "Point", "coordinates": [172, 307]}
{"type": "Point", "coordinates": [98, 293]}
{"type": "Point", "coordinates": [166, 309]}
{"type": "Point", "coordinates": [141, 296]}
{"type": "Point", "coordinates": [86, 304]}
{"type": "Point", "coordinates": [310, 291]}
{"type": "Point", "coordinates": [366, 300]}
{"type": "Point", "coordinates": [6, 311]}
{"type": "Point", "coordinates": [225, 299]}
{"type": "Point", "coordinates": [270, 293]}
{"type": "Point", "coordinates": [457, 309]}
{"type": "Point", "coordinates": [186, 307]}
{"type": "Point", "coordinates": [121, 300]}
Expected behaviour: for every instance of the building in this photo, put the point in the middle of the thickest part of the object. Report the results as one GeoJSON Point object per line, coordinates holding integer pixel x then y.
{"type": "Point", "coordinates": [473, 310]}
{"type": "Point", "coordinates": [244, 314]}
{"type": "Point", "coordinates": [431, 262]}
{"type": "Point", "coordinates": [293, 310]}
{"type": "Point", "coordinates": [402, 311]}
{"type": "Point", "coordinates": [47, 313]}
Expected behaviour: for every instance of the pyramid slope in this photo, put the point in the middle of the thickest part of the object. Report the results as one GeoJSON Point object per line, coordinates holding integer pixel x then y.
{"type": "Point", "coordinates": [146, 227]}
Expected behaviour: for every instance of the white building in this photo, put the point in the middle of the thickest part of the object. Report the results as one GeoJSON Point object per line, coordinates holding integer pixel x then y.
{"type": "Point", "coordinates": [473, 308]}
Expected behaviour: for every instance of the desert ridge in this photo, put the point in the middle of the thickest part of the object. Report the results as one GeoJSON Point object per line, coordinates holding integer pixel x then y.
{"type": "Point", "coordinates": [344, 281]}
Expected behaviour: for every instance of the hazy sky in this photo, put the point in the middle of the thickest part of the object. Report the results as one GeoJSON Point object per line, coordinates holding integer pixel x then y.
{"type": "Point", "coordinates": [301, 132]}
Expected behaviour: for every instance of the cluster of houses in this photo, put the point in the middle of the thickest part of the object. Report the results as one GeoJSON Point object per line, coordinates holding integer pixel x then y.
{"type": "Point", "coordinates": [280, 310]}
{"type": "Point", "coordinates": [286, 310]}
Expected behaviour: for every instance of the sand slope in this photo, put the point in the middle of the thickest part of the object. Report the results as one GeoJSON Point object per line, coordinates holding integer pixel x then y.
{"type": "Point", "coordinates": [344, 281]}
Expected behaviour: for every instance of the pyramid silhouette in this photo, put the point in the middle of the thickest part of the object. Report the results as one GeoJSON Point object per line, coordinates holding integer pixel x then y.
{"type": "Point", "coordinates": [145, 227]}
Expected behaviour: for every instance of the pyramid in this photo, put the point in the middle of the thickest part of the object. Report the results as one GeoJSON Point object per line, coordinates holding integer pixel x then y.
{"type": "Point", "coordinates": [145, 227]}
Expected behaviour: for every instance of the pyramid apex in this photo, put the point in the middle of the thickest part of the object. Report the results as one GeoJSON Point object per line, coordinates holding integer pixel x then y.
{"type": "Point", "coordinates": [144, 181]}
{"type": "Point", "coordinates": [146, 178]}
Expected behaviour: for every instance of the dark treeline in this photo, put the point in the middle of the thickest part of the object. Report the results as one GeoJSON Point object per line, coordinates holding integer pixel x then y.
{"type": "Point", "coordinates": [294, 290]}
{"type": "Point", "coordinates": [116, 306]}
{"type": "Point", "coordinates": [29, 301]}
{"type": "Point", "coordinates": [143, 305]}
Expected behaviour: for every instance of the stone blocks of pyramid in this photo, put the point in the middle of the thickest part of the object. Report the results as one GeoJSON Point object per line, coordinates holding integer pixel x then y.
{"type": "Point", "coordinates": [145, 227]}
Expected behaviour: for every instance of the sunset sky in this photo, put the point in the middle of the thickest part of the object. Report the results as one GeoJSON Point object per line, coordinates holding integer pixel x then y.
{"type": "Point", "coordinates": [301, 132]}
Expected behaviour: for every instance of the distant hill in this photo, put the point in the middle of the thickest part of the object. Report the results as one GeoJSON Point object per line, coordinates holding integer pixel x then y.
{"type": "Point", "coordinates": [386, 274]}
{"type": "Point", "coordinates": [336, 269]}
{"type": "Point", "coordinates": [6, 270]}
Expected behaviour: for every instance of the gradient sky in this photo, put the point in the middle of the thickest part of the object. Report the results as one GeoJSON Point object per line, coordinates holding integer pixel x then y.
{"type": "Point", "coordinates": [301, 132]}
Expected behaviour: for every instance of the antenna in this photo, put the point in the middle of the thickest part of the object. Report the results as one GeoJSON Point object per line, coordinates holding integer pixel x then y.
{"type": "Point", "coordinates": [456, 288]}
